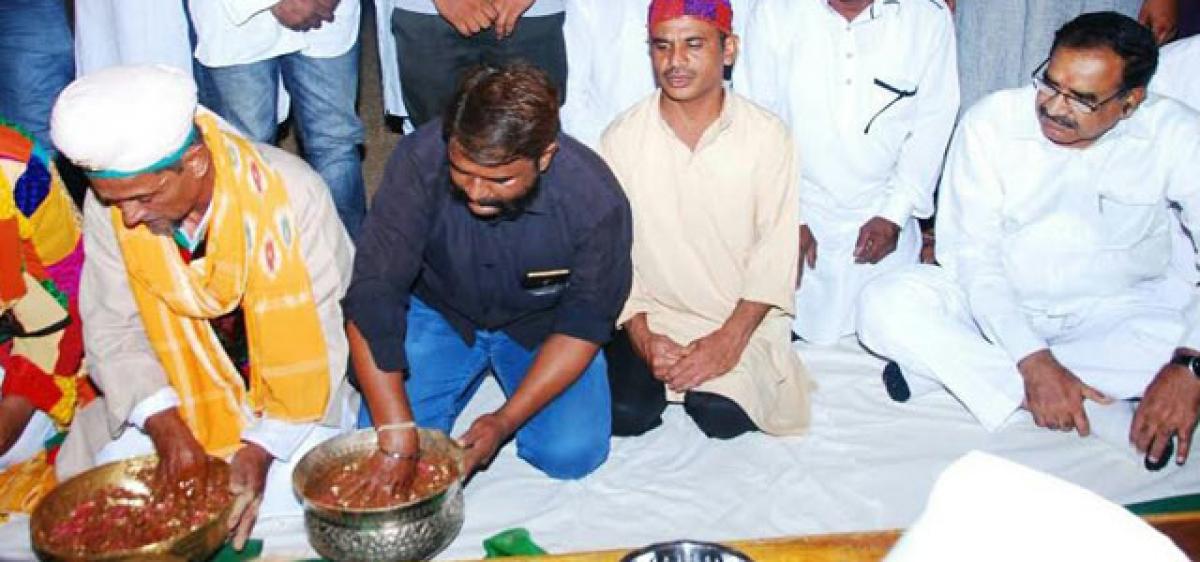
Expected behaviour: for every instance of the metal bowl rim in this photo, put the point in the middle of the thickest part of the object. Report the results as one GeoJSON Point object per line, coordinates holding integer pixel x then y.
{"type": "Point", "coordinates": [163, 547]}
{"type": "Point", "coordinates": [311, 504]}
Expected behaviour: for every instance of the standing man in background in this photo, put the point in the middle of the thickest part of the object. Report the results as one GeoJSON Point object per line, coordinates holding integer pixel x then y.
{"type": "Point", "coordinates": [250, 46]}
{"type": "Point", "coordinates": [436, 40]}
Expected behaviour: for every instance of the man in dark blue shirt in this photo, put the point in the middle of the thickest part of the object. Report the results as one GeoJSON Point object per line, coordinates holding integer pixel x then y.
{"type": "Point", "coordinates": [495, 242]}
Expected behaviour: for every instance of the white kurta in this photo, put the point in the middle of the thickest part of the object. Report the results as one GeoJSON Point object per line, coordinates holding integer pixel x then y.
{"type": "Point", "coordinates": [608, 58]}
{"type": "Point", "coordinates": [1178, 74]}
{"type": "Point", "coordinates": [115, 32]}
{"type": "Point", "coordinates": [230, 32]}
{"type": "Point", "coordinates": [829, 79]}
{"type": "Point", "coordinates": [713, 226]}
{"type": "Point", "coordinates": [1048, 247]}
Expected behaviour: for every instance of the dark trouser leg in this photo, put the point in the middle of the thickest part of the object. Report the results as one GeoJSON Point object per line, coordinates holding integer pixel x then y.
{"type": "Point", "coordinates": [718, 416]}
{"type": "Point", "coordinates": [431, 57]}
{"type": "Point", "coordinates": [538, 41]}
{"type": "Point", "coordinates": [638, 399]}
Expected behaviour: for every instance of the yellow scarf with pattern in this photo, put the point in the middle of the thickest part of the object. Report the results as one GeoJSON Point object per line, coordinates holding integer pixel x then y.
{"type": "Point", "coordinates": [252, 259]}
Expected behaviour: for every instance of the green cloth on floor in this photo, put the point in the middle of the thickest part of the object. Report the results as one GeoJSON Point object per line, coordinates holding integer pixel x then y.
{"type": "Point", "coordinates": [513, 542]}
{"type": "Point", "coordinates": [228, 554]}
{"type": "Point", "coordinates": [1176, 504]}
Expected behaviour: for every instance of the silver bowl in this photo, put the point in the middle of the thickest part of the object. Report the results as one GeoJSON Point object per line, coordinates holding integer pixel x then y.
{"type": "Point", "coordinates": [685, 551]}
{"type": "Point", "coordinates": [413, 531]}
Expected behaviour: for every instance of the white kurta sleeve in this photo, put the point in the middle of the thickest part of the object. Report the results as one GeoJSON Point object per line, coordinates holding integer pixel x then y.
{"type": "Point", "coordinates": [765, 62]}
{"type": "Point", "coordinates": [969, 231]}
{"type": "Point", "coordinates": [1183, 188]}
{"type": "Point", "coordinates": [919, 163]}
{"type": "Point", "coordinates": [119, 357]}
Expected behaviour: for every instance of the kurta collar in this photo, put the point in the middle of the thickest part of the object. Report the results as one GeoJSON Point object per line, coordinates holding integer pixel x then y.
{"type": "Point", "coordinates": [724, 120]}
{"type": "Point", "coordinates": [877, 10]}
{"type": "Point", "coordinates": [1137, 127]}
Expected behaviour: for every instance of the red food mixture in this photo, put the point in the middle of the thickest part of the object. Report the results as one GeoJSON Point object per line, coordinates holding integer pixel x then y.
{"type": "Point", "coordinates": [434, 473]}
{"type": "Point", "coordinates": [115, 518]}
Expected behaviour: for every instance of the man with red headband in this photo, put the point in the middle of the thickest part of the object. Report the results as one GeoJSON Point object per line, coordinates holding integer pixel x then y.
{"type": "Point", "coordinates": [711, 180]}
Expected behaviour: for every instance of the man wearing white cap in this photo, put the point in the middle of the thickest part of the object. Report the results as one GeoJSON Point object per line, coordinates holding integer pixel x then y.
{"type": "Point", "coordinates": [188, 225]}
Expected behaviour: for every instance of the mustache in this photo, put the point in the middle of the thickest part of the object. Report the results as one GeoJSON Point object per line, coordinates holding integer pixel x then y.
{"type": "Point", "coordinates": [676, 72]}
{"type": "Point", "coordinates": [1063, 122]}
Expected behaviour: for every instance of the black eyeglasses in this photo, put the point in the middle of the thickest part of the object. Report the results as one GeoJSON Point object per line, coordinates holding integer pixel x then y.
{"type": "Point", "coordinates": [1077, 104]}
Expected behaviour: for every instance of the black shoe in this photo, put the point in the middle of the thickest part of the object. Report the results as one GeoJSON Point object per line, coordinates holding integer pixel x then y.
{"type": "Point", "coordinates": [1168, 452]}
{"type": "Point", "coordinates": [894, 383]}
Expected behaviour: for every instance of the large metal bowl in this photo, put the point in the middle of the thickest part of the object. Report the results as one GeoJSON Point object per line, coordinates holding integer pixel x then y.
{"type": "Point", "coordinates": [413, 531]}
{"type": "Point", "coordinates": [685, 551]}
{"type": "Point", "coordinates": [199, 544]}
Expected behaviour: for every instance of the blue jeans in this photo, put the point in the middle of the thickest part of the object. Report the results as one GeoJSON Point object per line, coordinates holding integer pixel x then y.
{"type": "Point", "coordinates": [323, 91]}
{"type": "Point", "coordinates": [567, 439]}
{"type": "Point", "coordinates": [37, 60]}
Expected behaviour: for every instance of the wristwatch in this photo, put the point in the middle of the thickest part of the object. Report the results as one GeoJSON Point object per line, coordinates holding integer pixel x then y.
{"type": "Point", "coordinates": [1192, 362]}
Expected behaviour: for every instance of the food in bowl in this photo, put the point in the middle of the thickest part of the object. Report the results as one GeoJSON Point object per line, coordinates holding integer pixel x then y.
{"type": "Point", "coordinates": [434, 473]}
{"type": "Point", "coordinates": [115, 518]}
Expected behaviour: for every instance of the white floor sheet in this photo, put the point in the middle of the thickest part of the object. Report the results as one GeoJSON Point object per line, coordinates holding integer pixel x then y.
{"type": "Point", "coordinates": [867, 464]}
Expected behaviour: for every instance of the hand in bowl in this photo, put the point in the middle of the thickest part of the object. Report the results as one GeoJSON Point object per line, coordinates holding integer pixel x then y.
{"type": "Point", "coordinates": [183, 464]}
{"type": "Point", "coordinates": [379, 481]}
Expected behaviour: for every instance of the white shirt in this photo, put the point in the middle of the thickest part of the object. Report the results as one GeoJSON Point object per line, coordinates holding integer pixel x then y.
{"type": "Point", "coordinates": [118, 32]}
{"type": "Point", "coordinates": [230, 32]}
{"type": "Point", "coordinates": [1031, 229]}
{"type": "Point", "coordinates": [1178, 74]}
{"type": "Point", "coordinates": [805, 62]}
{"type": "Point", "coordinates": [608, 61]}
{"type": "Point", "coordinates": [538, 8]}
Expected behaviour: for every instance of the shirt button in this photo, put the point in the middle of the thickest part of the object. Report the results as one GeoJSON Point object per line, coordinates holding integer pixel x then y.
{"type": "Point", "coordinates": [849, 81]}
{"type": "Point", "coordinates": [849, 55]}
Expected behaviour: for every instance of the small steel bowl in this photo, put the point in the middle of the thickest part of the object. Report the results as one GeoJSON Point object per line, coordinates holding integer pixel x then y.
{"type": "Point", "coordinates": [685, 551]}
{"type": "Point", "coordinates": [412, 531]}
{"type": "Point", "coordinates": [199, 544]}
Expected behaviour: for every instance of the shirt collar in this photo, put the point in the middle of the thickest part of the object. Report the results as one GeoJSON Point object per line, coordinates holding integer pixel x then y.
{"type": "Point", "coordinates": [1136, 126]}
{"type": "Point", "coordinates": [724, 119]}
{"type": "Point", "coordinates": [877, 10]}
{"type": "Point", "coordinates": [191, 242]}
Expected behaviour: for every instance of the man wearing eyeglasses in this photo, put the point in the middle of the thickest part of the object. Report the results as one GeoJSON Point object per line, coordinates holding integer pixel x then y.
{"type": "Point", "coordinates": [870, 91]}
{"type": "Point", "coordinates": [1059, 293]}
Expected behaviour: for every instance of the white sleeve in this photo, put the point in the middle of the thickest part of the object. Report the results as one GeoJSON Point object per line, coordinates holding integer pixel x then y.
{"type": "Point", "coordinates": [910, 190]}
{"type": "Point", "coordinates": [1184, 189]}
{"type": "Point", "coordinates": [969, 239]}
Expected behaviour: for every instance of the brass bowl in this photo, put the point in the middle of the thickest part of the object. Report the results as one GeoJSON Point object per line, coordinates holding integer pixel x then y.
{"type": "Point", "coordinates": [199, 544]}
{"type": "Point", "coordinates": [415, 530]}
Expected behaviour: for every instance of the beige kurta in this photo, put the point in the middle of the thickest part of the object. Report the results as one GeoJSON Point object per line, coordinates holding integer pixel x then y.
{"type": "Point", "coordinates": [125, 368]}
{"type": "Point", "coordinates": [711, 227]}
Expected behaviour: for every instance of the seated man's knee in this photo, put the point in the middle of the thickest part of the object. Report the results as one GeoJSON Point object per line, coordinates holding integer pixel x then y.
{"type": "Point", "coordinates": [717, 416]}
{"type": "Point", "coordinates": [567, 456]}
{"type": "Point", "coordinates": [635, 417]}
{"type": "Point", "coordinates": [891, 302]}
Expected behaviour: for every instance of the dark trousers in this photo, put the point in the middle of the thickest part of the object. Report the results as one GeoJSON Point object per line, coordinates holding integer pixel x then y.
{"type": "Point", "coordinates": [432, 56]}
{"type": "Point", "coordinates": [638, 399]}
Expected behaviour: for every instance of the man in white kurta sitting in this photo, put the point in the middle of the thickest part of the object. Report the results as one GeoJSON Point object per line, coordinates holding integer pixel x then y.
{"type": "Point", "coordinates": [1057, 292]}
{"type": "Point", "coordinates": [710, 179]}
{"type": "Point", "coordinates": [870, 91]}
{"type": "Point", "coordinates": [1178, 74]}
{"type": "Point", "coordinates": [187, 222]}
